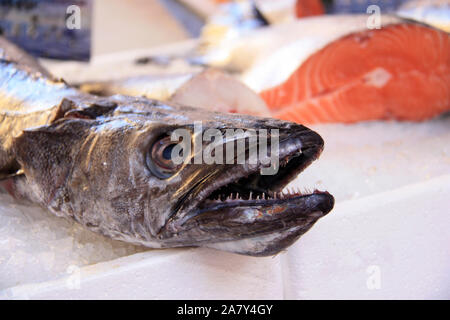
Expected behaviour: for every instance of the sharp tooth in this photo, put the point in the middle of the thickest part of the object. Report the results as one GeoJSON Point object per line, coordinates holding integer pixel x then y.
{"type": "Point", "coordinates": [264, 196]}
{"type": "Point", "coordinates": [237, 195]}
{"type": "Point", "coordinates": [251, 194]}
{"type": "Point", "coordinates": [257, 197]}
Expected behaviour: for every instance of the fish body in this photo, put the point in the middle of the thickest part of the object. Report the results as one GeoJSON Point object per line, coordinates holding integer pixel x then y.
{"type": "Point", "coordinates": [22, 108]}
{"type": "Point", "coordinates": [103, 162]}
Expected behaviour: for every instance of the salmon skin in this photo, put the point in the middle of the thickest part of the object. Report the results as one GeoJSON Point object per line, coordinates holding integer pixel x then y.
{"type": "Point", "coordinates": [400, 71]}
{"type": "Point", "coordinates": [107, 163]}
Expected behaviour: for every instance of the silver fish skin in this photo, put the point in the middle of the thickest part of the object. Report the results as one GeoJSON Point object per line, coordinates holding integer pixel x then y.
{"type": "Point", "coordinates": [90, 159]}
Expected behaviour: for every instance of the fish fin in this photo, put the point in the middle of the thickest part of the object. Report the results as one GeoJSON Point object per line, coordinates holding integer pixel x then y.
{"type": "Point", "coordinates": [79, 108]}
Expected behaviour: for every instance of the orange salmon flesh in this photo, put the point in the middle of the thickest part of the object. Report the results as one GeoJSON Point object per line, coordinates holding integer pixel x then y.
{"type": "Point", "coordinates": [401, 72]}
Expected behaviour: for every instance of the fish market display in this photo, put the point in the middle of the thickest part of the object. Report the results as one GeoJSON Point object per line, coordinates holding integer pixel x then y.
{"type": "Point", "coordinates": [106, 163]}
{"type": "Point", "coordinates": [342, 68]}
{"type": "Point", "coordinates": [400, 71]}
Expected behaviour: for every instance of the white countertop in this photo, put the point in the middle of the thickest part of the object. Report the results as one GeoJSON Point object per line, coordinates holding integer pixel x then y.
{"type": "Point", "coordinates": [386, 238]}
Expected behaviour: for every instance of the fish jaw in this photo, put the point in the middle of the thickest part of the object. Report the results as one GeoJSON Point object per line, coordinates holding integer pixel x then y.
{"type": "Point", "coordinates": [245, 212]}
{"type": "Point", "coordinates": [263, 227]}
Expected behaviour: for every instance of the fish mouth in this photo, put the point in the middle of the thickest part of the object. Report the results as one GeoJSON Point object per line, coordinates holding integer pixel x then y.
{"type": "Point", "coordinates": [239, 202]}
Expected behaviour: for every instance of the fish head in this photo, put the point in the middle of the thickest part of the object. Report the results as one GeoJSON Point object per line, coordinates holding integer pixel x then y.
{"type": "Point", "coordinates": [121, 174]}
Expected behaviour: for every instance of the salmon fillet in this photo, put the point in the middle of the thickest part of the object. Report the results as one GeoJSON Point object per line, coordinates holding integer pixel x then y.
{"type": "Point", "coordinates": [401, 71]}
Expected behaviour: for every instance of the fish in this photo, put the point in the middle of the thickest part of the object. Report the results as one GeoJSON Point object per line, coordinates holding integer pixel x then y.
{"type": "Point", "coordinates": [373, 74]}
{"type": "Point", "coordinates": [105, 163]}
{"type": "Point", "coordinates": [343, 68]}
{"type": "Point", "coordinates": [209, 89]}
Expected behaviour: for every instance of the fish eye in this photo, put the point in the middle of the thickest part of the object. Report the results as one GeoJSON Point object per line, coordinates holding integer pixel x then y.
{"type": "Point", "coordinates": [159, 158]}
